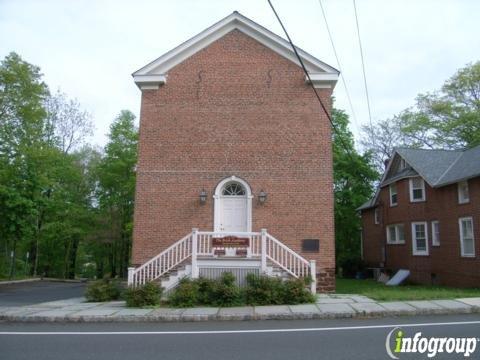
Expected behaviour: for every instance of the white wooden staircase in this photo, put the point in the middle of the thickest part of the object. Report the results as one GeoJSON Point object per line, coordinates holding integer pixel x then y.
{"type": "Point", "coordinates": [186, 257]}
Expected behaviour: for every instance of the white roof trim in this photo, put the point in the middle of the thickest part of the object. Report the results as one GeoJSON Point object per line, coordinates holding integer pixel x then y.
{"type": "Point", "coordinates": [145, 82]}
{"type": "Point", "coordinates": [322, 72]}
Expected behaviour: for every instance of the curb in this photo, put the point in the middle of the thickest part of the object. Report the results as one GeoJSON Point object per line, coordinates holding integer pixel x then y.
{"type": "Point", "coordinates": [231, 317]}
{"type": "Point", "coordinates": [11, 282]}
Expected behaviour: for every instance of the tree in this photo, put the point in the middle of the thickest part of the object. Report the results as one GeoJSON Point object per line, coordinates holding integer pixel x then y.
{"type": "Point", "coordinates": [354, 177]}
{"type": "Point", "coordinates": [44, 200]}
{"type": "Point", "coordinates": [116, 190]}
{"type": "Point", "coordinates": [446, 119]}
{"type": "Point", "coordinates": [69, 123]}
{"type": "Point", "coordinates": [22, 151]}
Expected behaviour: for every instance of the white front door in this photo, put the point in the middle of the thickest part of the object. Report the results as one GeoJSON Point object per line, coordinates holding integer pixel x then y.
{"type": "Point", "coordinates": [233, 214]}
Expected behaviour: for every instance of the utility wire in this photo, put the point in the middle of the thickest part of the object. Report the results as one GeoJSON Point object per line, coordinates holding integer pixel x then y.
{"type": "Point", "coordinates": [344, 81]}
{"type": "Point", "coordinates": [363, 65]}
{"type": "Point", "coordinates": [334, 127]}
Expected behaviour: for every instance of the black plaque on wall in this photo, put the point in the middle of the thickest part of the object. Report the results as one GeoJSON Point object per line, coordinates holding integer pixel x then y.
{"type": "Point", "coordinates": [311, 245]}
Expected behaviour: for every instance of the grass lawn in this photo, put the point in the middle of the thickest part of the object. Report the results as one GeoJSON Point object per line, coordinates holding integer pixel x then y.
{"type": "Point", "coordinates": [379, 291]}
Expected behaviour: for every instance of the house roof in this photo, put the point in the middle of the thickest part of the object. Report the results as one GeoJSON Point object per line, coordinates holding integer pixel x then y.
{"type": "Point", "coordinates": [437, 167]}
{"type": "Point", "coordinates": [154, 74]}
{"type": "Point", "coordinates": [442, 167]}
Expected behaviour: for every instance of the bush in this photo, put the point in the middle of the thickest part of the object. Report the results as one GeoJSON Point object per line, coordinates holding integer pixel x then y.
{"type": "Point", "coordinates": [186, 294]}
{"type": "Point", "coordinates": [295, 291]}
{"type": "Point", "coordinates": [103, 290]}
{"type": "Point", "coordinates": [263, 290]}
{"type": "Point", "coordinates": [260, 290]}
{"type": "Point", "coordinates": [147, 295]}
{"type": "Point", "coordinates": [225, 291]}
{"type": "Point", "coordinates": [206, 291]}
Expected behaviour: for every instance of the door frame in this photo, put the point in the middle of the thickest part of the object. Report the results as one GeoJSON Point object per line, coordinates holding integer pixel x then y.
{"type": "Point", "coordinates": [217, 202]}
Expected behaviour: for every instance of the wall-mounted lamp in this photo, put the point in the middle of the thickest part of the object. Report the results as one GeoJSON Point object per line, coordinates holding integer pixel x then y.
{"type": "Point", "coordinates": [203, 197]}
{"type": "Point", "coordinates": [262, 197]}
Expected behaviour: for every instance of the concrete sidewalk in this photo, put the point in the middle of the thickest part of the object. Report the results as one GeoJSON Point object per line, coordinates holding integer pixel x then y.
{"type": "Point", "coordinates": [326, 307]}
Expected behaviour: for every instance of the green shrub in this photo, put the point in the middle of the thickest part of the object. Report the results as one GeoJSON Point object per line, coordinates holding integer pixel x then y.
{"type": "Point", "coordinates": [103, 290]}
{"type": "Point", "coordinates": [206, 291]}
{"type": "Point", "coordinates": [260, 290]}
{"type": "Point", "coordinates": [186, 294]}
{"type": "Point", "coordinates": [295, 291]}
{"type": "Point", "coordinates": [147, 295]}
{"type": "Point", "coordinates": [263, 290]}
{"type": "Point", "coordinates": [225, 291]}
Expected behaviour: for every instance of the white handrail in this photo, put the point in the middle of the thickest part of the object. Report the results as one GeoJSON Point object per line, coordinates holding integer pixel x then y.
{"type": "Point", "coordinates": [286, 258]}
{"type": "Point", "coordinates": [162, 263]}
{"type": "Point", "coordinates": [261, 244]}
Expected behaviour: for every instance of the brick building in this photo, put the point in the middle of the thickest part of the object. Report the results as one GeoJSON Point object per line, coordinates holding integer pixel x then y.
{"type": "Point", "coordinates": [233, 141]}
{"type": "Point", "coordinates": [425, 217]}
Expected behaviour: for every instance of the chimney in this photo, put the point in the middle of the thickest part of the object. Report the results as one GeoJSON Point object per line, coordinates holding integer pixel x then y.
{"type": "Point", "coordinates": [386, 162]}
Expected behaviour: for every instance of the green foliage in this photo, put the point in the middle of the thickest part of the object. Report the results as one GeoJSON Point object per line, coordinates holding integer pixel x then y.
{"type": "Point", "coordinates": [147, 295]}
{"type": "Point", "coordinates": [354, 177]}
{"type": "Point", "coordinates": [201, 291]}
{"type": "Point", "coordinates": [225, 291]}
{"type": "Point", "coordinates": [186, 294]}
{"type": "Point", "coordinates": [295, 292]}
{"type": "Point", "coordinates": [61, 202]}
{"type": "Point", "coordinates": [263, 290]}
{"type": "Point", "coordinates": [381, 292]}
{"type": "Point", "coordinates": [115, 194]}
{"type": "Point", "coordinates": [445, 119]}
{"type": "Point", "coordinates": [260, 290]}
{"type": "Point", "coordinates": [103, 290]}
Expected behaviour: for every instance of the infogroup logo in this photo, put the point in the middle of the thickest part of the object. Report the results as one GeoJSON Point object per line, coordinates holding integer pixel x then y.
{"type": "Point", "coordinates": [429, 345]}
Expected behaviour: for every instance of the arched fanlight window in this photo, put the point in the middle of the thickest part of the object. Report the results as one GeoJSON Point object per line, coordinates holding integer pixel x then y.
{"type": "Point", "coordinates": [233, 189]}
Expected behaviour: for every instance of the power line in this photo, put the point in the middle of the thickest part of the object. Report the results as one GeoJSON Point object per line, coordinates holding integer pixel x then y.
{"type": "Point", "coordinates": [339, 66]}
{"type": "Point", "coordinates": [334, 127]}
{"type": "Point", "coordinates": [363, 65]}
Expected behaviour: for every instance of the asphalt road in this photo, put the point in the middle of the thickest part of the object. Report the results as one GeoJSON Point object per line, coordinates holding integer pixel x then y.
{"type": "Point", "coordinates": [35, 292]}
{"type": "Point", "coordinates": [266, 340]}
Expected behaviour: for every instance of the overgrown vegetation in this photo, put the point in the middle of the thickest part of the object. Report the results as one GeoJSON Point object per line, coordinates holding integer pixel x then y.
{"type": "Point", "coordinates": [260, 290]}
{"type": "Point", "coordinates": [149, 294]}
{"type": "Point", "coordinates": [379, 291]}
{"type": "Point", "coordinates": [103, 290]}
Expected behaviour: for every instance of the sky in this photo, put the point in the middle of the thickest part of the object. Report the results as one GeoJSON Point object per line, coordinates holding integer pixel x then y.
{"type": "Point", "coordinates": [89, 49]}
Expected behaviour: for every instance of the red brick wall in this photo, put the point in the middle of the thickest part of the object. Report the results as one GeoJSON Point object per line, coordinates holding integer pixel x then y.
{"type": "Point", "coordinates": [235, 108]}
{"type": "Point", "coordinates": [444, 261]}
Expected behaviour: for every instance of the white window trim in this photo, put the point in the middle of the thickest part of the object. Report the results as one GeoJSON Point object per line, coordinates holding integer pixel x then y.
{"type": "Point", "coordinates": [411, 191]}
{"type": "Point", "coordinates": [396, 193]}
{"type": "Point", "coordinates": [460, 199]}
{"type": "Point", "coordinates": [435, 242]}
{"type": "Point", "coordinates": [376, 216]}
{"type": "Point", "coordinates": [414, 239]}
{"type": "Point", "coordinates": [397, 234]}
{"type": "Point", "coordinates": [461, 237]}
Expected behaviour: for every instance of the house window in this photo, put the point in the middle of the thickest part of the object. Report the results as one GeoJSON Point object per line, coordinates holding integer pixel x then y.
{"type": "Point", "coordinates": [419, 238]}
{"type": "Point", "coordinates": [393, 194]}
{"type": "Point", "coordinates": [463, 196]}
{"type": "Point", "coordinates": [467, 242]}
{"type": "Point", "coordinates": [417, 189]}
{"type": "Point", "coordinates": [233, 189]}
{"type": "Point", "coordinates": [377, 216]}
{"type": "Point", "coordinates": [435, 233]}
{"type": "Point", "coordinates": [403, 164]}
{"type": "Point", "coordinates": [396, 234]}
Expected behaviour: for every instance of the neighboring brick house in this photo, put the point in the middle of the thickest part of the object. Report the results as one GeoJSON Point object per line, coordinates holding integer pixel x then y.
{"type": "Point", "coordinates": [232, 141]}
{"type": "Point", "coordinates": [425, 217]}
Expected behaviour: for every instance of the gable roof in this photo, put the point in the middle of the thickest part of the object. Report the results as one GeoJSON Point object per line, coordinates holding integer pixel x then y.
{"type": "Point", "coordinates": [437, 167]}
{"type": "Point", "coordinates": [155, 73]}
{"type": "Point", "coordinates": [442, 167]}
